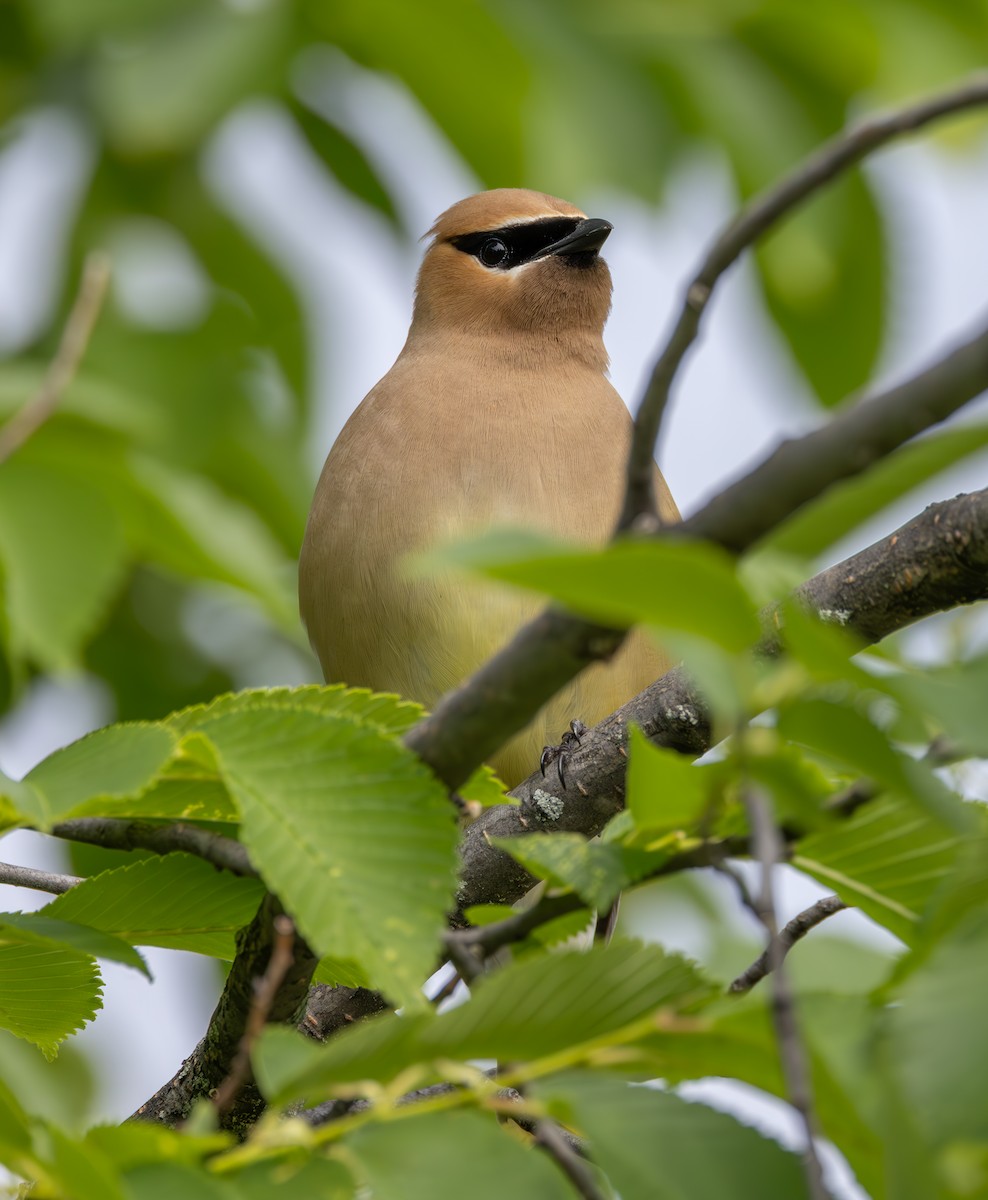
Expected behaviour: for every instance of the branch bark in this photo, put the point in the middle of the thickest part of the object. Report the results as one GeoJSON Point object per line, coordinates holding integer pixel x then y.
{"type": "Point", "coordinates": [41, 881]}
{"type": "Point", "coordinates": [209, 1064]}
{"type": "Point", "coordinates": [792, 932]}
{"type": "Point", "coordinates": [116, 833]}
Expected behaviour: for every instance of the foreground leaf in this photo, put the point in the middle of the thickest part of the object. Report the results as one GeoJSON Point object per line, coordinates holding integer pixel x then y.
{"type": "Point", "coordinates": [46, 992]}
{"type": "Point", "coordinates": [655, 1146]}
{"type": "Point", "coordinates": [414, 1160]}
{"type": "Point", "coordinates": [349, 829]}
{"type": "Point", "coordinates": [525, 1011]}
{"type": "Point", "coordinates": [176, 901]}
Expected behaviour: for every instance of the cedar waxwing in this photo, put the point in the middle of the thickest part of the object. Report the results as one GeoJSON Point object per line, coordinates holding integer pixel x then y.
{"type": "Point", "coordinates": [498, 412]}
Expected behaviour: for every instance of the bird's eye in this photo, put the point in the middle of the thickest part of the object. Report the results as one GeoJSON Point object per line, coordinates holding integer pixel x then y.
{"type": "Point", "coordinates": [493, 252]}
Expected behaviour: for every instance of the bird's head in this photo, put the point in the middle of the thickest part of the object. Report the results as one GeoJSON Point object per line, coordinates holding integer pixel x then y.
{"type": "Point", "coordinates": [511, 261]}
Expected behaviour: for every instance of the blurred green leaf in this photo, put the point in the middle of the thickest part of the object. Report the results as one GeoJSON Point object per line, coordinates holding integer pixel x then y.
{"type": "Point", "coordinates": [411, 1160]}
{"type": "Point", "coordinates": [63, 556]}
{"type": "Point", "coordinates": [691, 587]}
{"type": "Point", "coordinates": [665, 790]}
{"type": "Point", "coordinates": [655, 1146]}
{"type": "Point", "coordinates": [222, 53]}
{"type": "Point", "coordinates": [845, 506]}
{"type": "Point", "coordinates": [889, 859]}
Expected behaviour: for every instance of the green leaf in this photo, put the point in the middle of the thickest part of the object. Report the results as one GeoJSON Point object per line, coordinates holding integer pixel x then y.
{"type": "Point", "coordinates": [479, 101]}
{"type": "Point", "coordinates": [851, 739]}
{"type": "Point", "coordinates": [414, 1160]}
{"type": "Point", "coordinates": [598, 872]}
{"type": "Point", "coordinates": [221, 53]}
{"type": "Point", "coordinates": [137, 1142]}
{"type": "Point", "coordinates": [349, 829]}
{"type": "Point", "coordinates": [889, 859]}
{"type": "Point", "coordinates": [189, 526]}
{"type": "Point", "coordinates": [117, 761]}
{"type": "Point", "coordinates": [46, 992]}
{"type": "Point", "coordinates": [83, 1170]}
{"type": "Point", "coordinates": [665, 790]}
{"type": "Point", "coordinates": [70, 935]}
{"type": "Point", "coordinates": [687, 586]}
{"type": "Point", "coordinates": [89, 399]}
{"type": "Point", "coordinates": [62, 1090]}
{"type": "Point", "coordinates": [315, 1177]}
{"type": "Point", "coordinates": [656, 1146]}
{"type": "Point", "coordinates": [63, 556]}
{"type": "Point", "coordinates": [949, 700]}
{"type": "Point", "coordinates": [525, 1011]}
{"type": "Point", "coordinates": [937, 1037]}
{"type": "Point", "coordinates": [845, 506]}
{"type": "Point", "coordinates": [176, 901]}
{"type": "Point", "coordinates": [380, 710]}
{"type": "Point", "coordinates": [166, 1180]}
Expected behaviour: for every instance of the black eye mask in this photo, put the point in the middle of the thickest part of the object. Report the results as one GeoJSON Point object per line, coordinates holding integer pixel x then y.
{"type": "Point", "coordinates": [512, 245]}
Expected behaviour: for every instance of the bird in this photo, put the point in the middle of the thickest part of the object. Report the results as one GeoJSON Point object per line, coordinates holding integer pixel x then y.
{"type": "Point", "coordinates": [497, 412]}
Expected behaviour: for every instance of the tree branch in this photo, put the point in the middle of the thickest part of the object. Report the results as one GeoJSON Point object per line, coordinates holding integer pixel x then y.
{"type": "Point", "coordinates": [41, 881]}
{"type": "Point", "coordinates": [265, 993]}
{"type": "Point", "coordinates": [788, 936]}
{"type": "Point", "coordinates": [766, 849]}
{"type": "Point", "coordinates": [821, 168]}
{"type": "Point", "coordinates": [210, 1063]}
{"type": "Point", "coordinates": [114, 833]}
{"type": "Point", "coordinates": [61, 371]}
{"type": "Point", "coordinates": [801, 469]}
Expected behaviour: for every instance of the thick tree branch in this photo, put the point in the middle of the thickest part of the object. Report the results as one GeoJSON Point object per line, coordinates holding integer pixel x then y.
{"type": "Point", "coordinates": [115, 833]}
{"type": "Point", "coordinates": [799, 470]}
{"type": "Point", "coordinates": [41, 881]}
{"type": "Point", "coordinates": [211, 1061]}
{"type": "Point", "coordinates": [821, 168]}
{"type": "Point", "coordinates": [787, 937]}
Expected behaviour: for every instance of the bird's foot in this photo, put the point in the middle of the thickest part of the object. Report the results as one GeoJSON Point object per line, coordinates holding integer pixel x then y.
{"type": "Point", "coordinates": [559, 754]}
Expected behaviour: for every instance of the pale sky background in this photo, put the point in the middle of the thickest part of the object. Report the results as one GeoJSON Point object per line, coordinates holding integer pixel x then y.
{"type": "Point", "coordinates": [739, 394]}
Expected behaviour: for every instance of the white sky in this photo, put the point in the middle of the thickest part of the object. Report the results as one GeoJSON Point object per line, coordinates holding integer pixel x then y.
{"type": "Point", "coordinates": [739, 394]}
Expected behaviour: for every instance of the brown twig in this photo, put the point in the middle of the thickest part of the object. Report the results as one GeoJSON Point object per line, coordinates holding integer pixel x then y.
{"type": "Point", "coordinates": [553, 1140]}
{"type": "Point", "coordinates": [822, 167]}
{"type": "Point", "coordinates": [766, 849]}
{"type": "Point", "coordinates": [265, 991]}
{"type": "Point", "coordinates": [788, 936]}
{"type": "Point", "coordinates": [62, 369]}
{"type": "Point", "coordinates": [41, 881]}
{"type": "Point", "coordinates": [116, 833]}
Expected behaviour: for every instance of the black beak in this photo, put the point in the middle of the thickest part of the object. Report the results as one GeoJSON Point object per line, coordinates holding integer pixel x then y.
{"type": "Point", "coordinates": [586, 238]}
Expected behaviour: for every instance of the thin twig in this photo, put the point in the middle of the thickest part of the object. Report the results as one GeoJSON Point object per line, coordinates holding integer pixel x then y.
{"type": "Point", "coordinates": [552, 1139]}
{"type": "Point", "coordinates": [822, 167]}
{"type": "Point", "coordinates": [265, 991]}
{"type": "Point", "coordinates": [468, 949]}
{"type": "Point", "coordinates": [766, 849]}
{"type": "Point", "coordinates": [789, 935]}
{"type": "Point", "coordinates": [115, 833]}
{"type": "Point", "coordinates": [41, 881]}
{"type": "Point", "coordinates": [62, 369]}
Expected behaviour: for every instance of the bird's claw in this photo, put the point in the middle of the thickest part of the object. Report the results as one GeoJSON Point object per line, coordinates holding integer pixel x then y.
{"type": "Point", "coordinates": [559, 754]}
